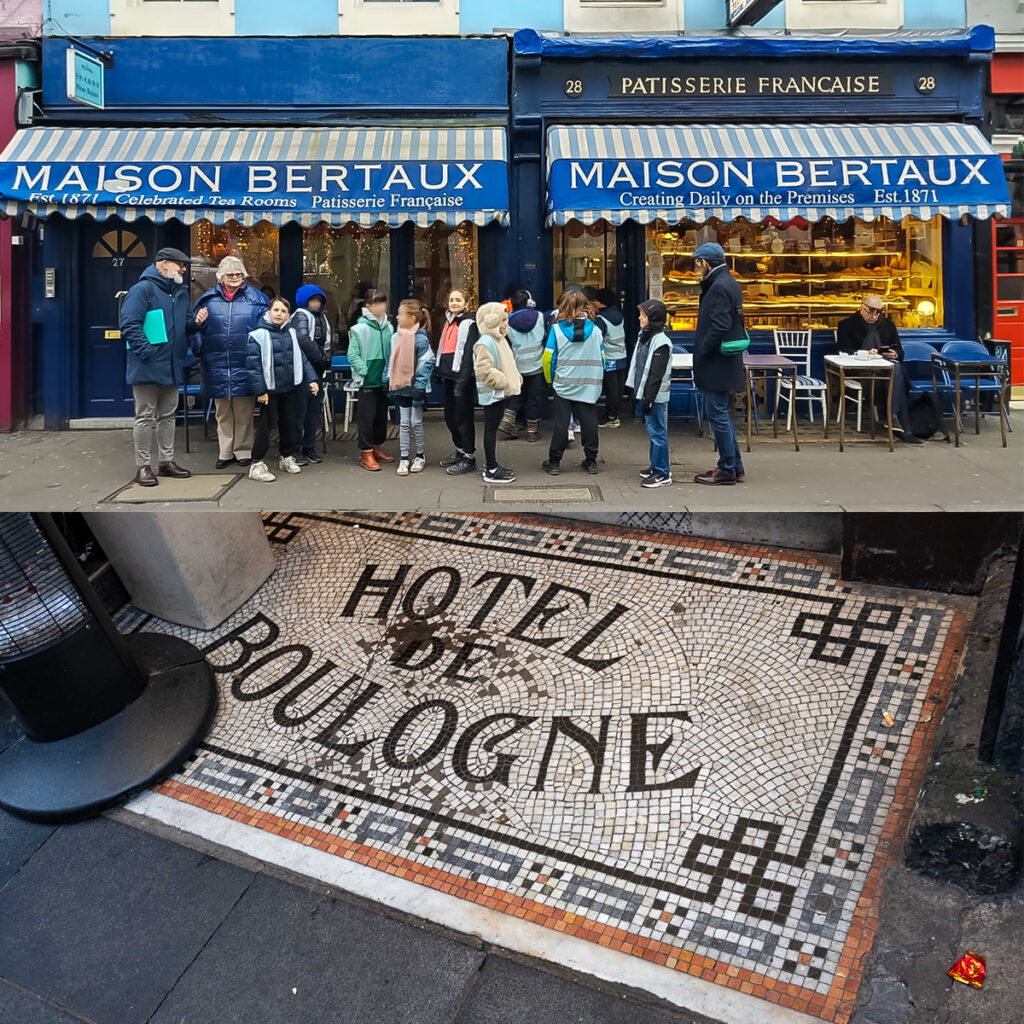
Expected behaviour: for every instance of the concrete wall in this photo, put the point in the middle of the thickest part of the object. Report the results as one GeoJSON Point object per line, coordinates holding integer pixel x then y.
{"type": "Point", "coordinates": [192, 568]}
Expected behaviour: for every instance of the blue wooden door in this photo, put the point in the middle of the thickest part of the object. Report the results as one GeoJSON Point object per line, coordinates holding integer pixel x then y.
{"type": "Point", "coordinates": [112, 256]}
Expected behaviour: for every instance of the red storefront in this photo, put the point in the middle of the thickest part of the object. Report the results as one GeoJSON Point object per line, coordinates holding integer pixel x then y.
{"type": "Point", "coordinates": [1007, 92]}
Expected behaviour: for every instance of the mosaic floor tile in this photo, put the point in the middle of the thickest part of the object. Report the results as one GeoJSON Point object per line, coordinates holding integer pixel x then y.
{"type": "Point", "coordinates": [699, 754]}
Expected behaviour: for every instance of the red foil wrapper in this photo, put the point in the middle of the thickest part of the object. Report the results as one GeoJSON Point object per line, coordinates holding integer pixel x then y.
{"type": "Point", "coordinates": [969, 969]}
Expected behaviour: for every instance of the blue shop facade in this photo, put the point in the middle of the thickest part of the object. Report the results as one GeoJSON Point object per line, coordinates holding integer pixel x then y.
{"type": "Point", "coordinates": [826, 167]}
{"type": "Point", "coordinates": [341, 162]}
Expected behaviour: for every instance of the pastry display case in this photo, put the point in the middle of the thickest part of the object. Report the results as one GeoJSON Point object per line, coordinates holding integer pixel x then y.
{"type": "Point", "coordinates": [800, 275]}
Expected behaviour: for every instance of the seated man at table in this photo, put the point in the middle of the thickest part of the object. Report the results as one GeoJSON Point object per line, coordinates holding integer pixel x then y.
{"type": "Point", "coordinates": [869, 329]}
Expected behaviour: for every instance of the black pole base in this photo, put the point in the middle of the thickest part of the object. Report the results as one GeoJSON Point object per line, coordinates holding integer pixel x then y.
{"type": "Point", "coordinates": [78, 777]}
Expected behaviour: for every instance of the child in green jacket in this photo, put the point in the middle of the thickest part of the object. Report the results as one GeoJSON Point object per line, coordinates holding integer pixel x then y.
{"type": "Point", "coordinates": [369, 350]}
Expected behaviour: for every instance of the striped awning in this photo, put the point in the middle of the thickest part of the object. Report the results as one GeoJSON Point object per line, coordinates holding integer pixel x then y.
{"type": "Point", "coordinates": [310, 175]}
{"type": "Point", "coordinates": [695, 172]}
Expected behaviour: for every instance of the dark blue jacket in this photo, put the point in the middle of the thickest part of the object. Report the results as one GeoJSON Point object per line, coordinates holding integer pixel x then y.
{"type": "Point", "coordinates": [223, 338]}
{"type": "Point", "coordinates": [286, 355]}
{"type": "Point", "coordinates": [719, 318]}
{"type": "Point", "coordinates": [161, 363]}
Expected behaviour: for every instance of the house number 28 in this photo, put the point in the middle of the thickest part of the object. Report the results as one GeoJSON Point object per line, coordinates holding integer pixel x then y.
{"type": "Point", "coordinates": [925, 83]}
{"type": "Point", "coordinates": [573, 87]}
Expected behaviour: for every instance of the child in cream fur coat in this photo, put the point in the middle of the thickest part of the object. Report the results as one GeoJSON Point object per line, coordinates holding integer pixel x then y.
{"type": "Point", "coordinates": [497, 380]}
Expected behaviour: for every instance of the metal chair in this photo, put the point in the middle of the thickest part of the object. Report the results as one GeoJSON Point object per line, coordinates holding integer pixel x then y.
{"type": "Point", "coordinates": [683, 387]}
{"type": "Point", "coordinates": [978, 383]}
{"type": "Point", "coordinates": [854, 391]}
{"type": "Point", "coordinates": [796, 345]}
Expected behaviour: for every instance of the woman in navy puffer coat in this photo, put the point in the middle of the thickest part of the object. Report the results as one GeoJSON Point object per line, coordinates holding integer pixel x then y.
{"type": "Point", "coordinates": [234, 309]}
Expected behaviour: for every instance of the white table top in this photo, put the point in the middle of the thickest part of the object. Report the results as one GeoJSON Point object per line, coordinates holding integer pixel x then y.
{"type": "Point", "coordinates": [854, 362]}
{"type": "Point", "coordinates": [682, 360]}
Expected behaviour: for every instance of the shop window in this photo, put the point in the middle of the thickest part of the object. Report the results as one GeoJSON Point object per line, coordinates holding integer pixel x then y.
{"type": "Point", "coordinates": [256, 247]}
{"type": "Point", "coordinates": [584, 255]}
{"type": "Point", "coordinates": [343, 262]}
{"type": "Point", "coordinates": [797, 275]}
{"type": "Point", "coordinates": [445, 258]}
{"type": "Point", "coordinates": [118, 245]}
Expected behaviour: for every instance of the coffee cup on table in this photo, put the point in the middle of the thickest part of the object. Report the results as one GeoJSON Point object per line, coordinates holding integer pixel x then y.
{"type": "Point", "coordinates": [863, 353]}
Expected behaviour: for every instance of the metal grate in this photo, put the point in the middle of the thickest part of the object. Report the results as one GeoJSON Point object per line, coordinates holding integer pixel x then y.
{"type": "Point", "coordinates": [38, 603]}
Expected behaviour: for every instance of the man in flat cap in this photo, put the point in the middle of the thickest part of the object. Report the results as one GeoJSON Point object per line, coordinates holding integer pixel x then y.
{"type": "Point", "coordinates": [718, 374]}
{"type": "Point", "coordinates": [155, 324]}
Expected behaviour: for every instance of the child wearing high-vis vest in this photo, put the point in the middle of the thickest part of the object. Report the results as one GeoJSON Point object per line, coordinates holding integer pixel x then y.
{"type": "Point", "coordinates": [574, 365]}
{"type": "Point", "coordinates": [497, 380]}
{"type": "Point", "coordinates": [526, 333]}
{"type": "Point", "coordinates": [455, 370]}
{"type": "Point", "coordinates": [609, 319]}
{"type": "Point", "coordinates": [650, 375]}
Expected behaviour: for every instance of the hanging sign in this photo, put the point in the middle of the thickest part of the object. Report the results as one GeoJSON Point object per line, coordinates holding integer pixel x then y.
{"type": "Point", "coordinates": [85, 78]}
{"type": "Point", "coordinates": [748, 12]}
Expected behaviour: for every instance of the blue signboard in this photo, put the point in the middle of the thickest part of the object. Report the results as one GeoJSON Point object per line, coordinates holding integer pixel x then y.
{"type": "Point", "coordinates": [443, 188]}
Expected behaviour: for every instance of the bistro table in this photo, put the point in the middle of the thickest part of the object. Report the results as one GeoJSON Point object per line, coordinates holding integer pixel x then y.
{"type": "Point", "coordinates": [337, 378]}
{"type": "Point", "coordinates": [761, 368]}
{"type": "Point", "coordinates": [843, 368]}
{"type": "Point", "coordinates": [972, 367]}
{"type": "Point", "coordinates": [757, 367]}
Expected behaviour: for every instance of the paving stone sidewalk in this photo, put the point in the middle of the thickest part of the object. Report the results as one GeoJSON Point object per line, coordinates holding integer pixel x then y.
{"type": "Point", "coordinates": [72, 470]}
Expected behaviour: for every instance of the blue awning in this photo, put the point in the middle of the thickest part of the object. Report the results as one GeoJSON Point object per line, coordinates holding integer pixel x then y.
{"type": "Point", "coordinates": [338, 175]}
{"type": "Point", "coordinates": [695, 172]}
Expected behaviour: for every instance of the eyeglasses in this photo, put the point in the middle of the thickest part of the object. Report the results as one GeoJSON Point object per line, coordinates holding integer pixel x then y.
{"type": "Point", "coordinates": [235, 273]}
{"type": "Point", "coordinates": [871, 310]}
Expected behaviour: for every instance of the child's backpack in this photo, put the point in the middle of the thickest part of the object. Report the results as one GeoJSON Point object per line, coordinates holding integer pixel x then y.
{"type": "Point", "coordinates": [925, 415]}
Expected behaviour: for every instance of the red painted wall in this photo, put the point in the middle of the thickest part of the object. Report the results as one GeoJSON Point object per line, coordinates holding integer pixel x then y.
{"type": "Point", "coordinates": [7, 315]}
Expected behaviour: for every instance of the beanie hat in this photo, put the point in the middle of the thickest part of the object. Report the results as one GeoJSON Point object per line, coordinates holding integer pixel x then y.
{"type": "Point", "coordinates": [710, 251]}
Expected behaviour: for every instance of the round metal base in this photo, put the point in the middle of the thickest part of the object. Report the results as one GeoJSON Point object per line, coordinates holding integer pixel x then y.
{"type": "Point", "coordinates": [78, 777]}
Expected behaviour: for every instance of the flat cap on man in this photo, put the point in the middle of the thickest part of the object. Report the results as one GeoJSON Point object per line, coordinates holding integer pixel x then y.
{"type": "Point", "coordinates": [710, 251]}
{"type": "Point", "coordinates": [174, 255]}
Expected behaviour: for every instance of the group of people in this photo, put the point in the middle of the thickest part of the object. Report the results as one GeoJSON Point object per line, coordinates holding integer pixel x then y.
{"type": "Point", "coordinates": [262, 360]}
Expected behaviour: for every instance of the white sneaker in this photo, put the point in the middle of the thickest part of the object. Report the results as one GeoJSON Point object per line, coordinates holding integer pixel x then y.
{"type": "Point", "coordinates": [418, 465]}
{"type": "Point", "coordinates": [403, 468]}
{"type": "Point", "coordinates": [258, 471]}
{"type": "Point", "coordinates": [289, 465]}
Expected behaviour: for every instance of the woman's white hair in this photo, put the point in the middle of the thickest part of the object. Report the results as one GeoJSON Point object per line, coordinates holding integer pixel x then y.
{"type": "Point", "coordinates": [229, 265]}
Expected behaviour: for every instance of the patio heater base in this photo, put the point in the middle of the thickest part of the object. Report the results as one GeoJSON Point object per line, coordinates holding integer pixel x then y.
{"type": "Point", "coordinates": [78, 777]}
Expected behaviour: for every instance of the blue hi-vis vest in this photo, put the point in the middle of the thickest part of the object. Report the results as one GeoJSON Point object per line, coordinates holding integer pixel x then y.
{"type": "Point", "coordinates": [576, 367]}
{"type": "Point", "coordinates": [487, 395]}
{"type": "Point", "coordinates": [528, 347]}
{"type": "Point", "coordinates": [614, 339]}
{"type": "Point", "coordinates": [664, 388]}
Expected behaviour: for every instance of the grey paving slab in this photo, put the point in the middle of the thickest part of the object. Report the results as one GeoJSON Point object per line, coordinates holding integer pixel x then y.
{"type": "Point", "coordinates": [508, 992]}
{"type": "Point", "coordinates": [19, 840]}
{"type": "Point", "coordinates": [107, 918]}
{"type": "Point", "coordinates": [20, 1007]}
{"type": "Point", "coordinates": [292, 956]}
{"type": "Point", "coordinates": [78, 469]}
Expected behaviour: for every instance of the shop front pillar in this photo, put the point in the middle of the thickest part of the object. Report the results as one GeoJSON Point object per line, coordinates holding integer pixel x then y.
{"type": "Point", "coordinates": [192, 569]}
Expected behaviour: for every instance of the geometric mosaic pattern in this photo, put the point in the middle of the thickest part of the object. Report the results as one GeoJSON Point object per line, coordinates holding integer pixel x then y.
{"type": "Point", "coordinates": [700, 754]}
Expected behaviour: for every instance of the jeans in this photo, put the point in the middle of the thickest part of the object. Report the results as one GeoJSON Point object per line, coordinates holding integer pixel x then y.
{"type": "Point", "coordinates": [656, 422]}
{"type": "Point", "coordinates": [410, 426]}
{"type": "Point", "coordinates": [716, 412]}
{"type": "Point", "coordinates": [155, 406]}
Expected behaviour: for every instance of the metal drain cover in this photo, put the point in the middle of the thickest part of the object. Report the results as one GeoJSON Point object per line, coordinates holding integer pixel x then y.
{"type": "Point", "coordinates": [542, 493]}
